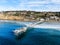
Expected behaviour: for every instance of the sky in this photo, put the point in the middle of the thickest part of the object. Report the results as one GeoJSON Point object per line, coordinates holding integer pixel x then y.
{"type": "Point", "coordinates": [32, 5]}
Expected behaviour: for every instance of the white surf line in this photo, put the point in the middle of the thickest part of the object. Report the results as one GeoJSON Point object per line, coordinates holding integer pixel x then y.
{"type": "Point", "coordinates": [35, 25]}
{"type": "Point", "coordinates": [17, 22]}
{"type": "Point", "coordinates": [24, 29]}
{"type": "Point", "coordinates": [46, 26]}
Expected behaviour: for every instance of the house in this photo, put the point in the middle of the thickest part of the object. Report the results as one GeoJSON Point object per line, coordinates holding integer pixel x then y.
{"type": "Point", "coordinates": [23, 12]}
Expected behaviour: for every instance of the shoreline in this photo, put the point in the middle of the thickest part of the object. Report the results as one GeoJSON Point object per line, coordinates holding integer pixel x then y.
{"type": "Point", "coordinates": [18, 21]}
{"type": "Point", "coordinates": [45, 25]}
{"type": "Point", "coordinates": [30, 20]}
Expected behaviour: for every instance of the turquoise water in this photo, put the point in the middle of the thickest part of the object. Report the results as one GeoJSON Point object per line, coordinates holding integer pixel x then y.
{"type": "Point", "coordinates": [33, 36]}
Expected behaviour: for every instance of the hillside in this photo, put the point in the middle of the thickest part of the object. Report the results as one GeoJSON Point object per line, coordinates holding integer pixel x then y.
{"type": "Point", "coordinates": [27, 15]}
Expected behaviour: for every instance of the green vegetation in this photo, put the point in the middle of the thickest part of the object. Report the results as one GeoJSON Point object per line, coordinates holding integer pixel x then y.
{"type": "Point", "coordinates": [16, 14]}
{"type": "Point", "coordinates": [31, 14]}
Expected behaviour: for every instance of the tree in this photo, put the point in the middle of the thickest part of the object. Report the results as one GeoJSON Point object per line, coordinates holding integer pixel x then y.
{"type": "Point", "coordinates": [16, 14]}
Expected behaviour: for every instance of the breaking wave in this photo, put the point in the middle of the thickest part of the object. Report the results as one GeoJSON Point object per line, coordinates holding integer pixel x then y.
{"type": "Point", "coordinates": [46, 25]}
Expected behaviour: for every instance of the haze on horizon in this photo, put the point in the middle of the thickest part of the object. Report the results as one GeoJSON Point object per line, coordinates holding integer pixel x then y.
{"type": "Point", "coordinates": [32, 5]}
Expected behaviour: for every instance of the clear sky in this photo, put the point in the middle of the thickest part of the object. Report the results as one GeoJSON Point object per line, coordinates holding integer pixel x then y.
{"type": "Point", "coordinates": [33, 5]}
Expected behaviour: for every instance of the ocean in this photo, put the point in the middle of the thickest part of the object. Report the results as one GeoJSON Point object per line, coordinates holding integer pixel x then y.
{"type": "Point", "coordinates": [42, 34]}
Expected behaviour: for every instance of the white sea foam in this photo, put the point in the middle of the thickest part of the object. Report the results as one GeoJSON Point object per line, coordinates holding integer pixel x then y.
{"type": "Point", "coordinates": [43, 25]}
{"type": "Point", "coordinates": [55, 25]}
{"type": "Point", "coordinates": [47, 25]}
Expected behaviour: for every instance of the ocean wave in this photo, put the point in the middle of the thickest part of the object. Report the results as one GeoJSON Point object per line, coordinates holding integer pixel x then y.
{"type": "Point", "coordinates": [55, 25]}
{"type": "Point", "coordinates": [46, 25]}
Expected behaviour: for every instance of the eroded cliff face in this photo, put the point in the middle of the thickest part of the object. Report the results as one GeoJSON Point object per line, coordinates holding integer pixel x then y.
{"type": "Point", "coordinates": [7, 17]}
{"type": "Point", "coordinates": [27, 15]}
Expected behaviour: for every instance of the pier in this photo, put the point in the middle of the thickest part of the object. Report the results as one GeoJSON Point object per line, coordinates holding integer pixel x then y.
{"type": "Point", "coordinates": [24, 29]}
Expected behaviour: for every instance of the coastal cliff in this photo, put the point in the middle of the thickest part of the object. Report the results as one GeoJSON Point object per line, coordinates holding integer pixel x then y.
{"type": "Point", "coordinates": [27, 15]}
